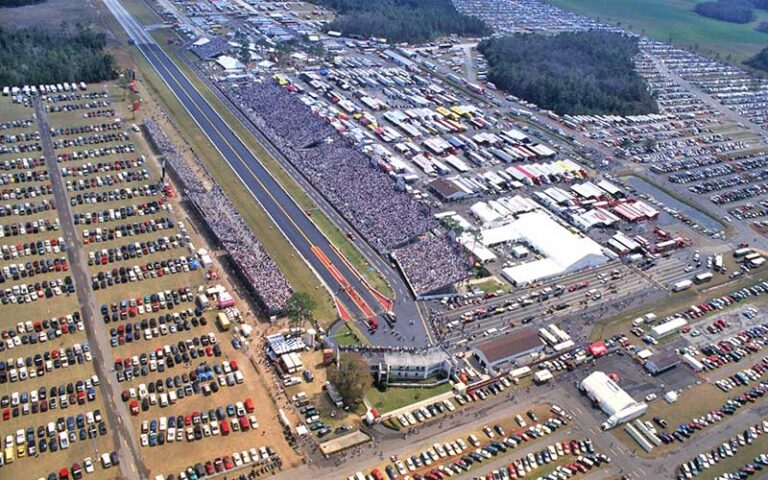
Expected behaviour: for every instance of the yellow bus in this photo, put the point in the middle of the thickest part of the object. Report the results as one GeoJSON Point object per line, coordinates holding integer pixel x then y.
{"type": "Point", "coordinates": [223, 321]}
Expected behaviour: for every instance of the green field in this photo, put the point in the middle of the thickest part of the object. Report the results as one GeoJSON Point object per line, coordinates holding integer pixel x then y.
{"type": "Point", "coordinates": [394, 398]}
{"type": "Point", "coordinates": [676, 20]}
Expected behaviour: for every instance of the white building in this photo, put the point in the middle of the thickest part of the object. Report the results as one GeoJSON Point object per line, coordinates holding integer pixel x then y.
{"type": "Point", "coordinates": [667, 328]}
{"type": "Point", "coordinates": [612, 399]}
{"type": "Point", "coordinates": [563, 250]}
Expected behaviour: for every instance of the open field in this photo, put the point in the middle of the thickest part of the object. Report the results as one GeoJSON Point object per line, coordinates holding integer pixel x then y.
{"type": "Point", "coordinates": [676, 20]}
{"type": "Point", "coordinates": [50, 14]}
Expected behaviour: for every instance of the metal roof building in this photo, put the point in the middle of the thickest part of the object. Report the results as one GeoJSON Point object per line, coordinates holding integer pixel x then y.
{"type": "Point", "coordinates": [612, 399]}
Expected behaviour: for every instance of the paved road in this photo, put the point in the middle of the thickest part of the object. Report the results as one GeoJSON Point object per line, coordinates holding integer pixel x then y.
{"type": "Point", "coordinates": [295, 225]}
{"type": "Point", "coordinates": [131, 465]}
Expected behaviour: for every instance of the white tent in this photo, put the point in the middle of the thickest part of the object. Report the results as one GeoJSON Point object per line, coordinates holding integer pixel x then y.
{"type": "Point", "coordinates": [229, 63]}
{"type": "Point", "coordinates": [563, 250]}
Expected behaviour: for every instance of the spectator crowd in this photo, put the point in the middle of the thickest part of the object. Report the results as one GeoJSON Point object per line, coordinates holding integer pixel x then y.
{"type": "Point", "coordinates": [221, 216]}
{"type": "Point", "coordinates": [349, 179]}
{"type": "Point", "coordinates": [432, 263]}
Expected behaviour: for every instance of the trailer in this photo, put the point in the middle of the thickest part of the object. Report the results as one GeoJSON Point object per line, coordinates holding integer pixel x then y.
{"type": "Point", "coordinates": [644, 443]}
{"type": "Point", "coordinates": [681, 285]}
{"type": "Point", "coordinates": [696, 365]}
{"type": "Point", "coordinates": [703, 277]}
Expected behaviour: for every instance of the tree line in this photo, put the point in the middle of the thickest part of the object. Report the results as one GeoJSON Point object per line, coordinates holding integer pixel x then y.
{"type": "Point", "coordinates": [35, 56]}
{"type": "Point", "coordinates": [570, 73]}
{"type": "Point", "coordinates": [401, 20]}
{"type": "Point", "coordinates": [734, 11]}
{"type": "Point", "coordinates": [759, 61]}
{"type": "Point", "coordinates": [18, 3]}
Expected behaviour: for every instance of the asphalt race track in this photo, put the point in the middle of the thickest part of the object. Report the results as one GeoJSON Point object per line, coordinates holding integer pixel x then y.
{"type": "Point", "coordinates": [295, 225]}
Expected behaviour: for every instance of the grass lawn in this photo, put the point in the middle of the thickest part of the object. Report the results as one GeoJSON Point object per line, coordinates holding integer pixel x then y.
{"type": "Point", "coordinates": [676, 20]}
{"type": "Point", "coordinates": [490, 284]}
{"type": "Point", "coordinates": [394, 398]}
{"type": "Point", "coordinates": [348, 335]}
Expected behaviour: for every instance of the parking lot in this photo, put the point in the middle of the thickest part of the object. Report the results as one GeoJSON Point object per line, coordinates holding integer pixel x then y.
{"type": "Point", "coordinates": [50, 397]}
{"type": "Point", "coordinates": [168, 353]}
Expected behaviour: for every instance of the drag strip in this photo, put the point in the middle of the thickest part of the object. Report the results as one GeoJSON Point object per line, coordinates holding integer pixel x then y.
{"type": "Point", "coordinates": [297, 228]}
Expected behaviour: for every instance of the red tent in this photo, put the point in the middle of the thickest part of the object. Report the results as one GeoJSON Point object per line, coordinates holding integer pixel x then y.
{"type": "Point", "coordinates": [597, 349]}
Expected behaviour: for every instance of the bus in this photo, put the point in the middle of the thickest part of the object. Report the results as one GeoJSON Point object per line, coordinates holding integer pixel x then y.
{"type": "Point", "coordinates": [223, 321]}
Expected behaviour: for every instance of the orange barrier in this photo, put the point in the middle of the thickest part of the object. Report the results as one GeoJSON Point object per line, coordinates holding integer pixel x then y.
{"type": "Point", "coordinates": [367, 312]}
{"type": "Point", "coordinates": [343, 313]}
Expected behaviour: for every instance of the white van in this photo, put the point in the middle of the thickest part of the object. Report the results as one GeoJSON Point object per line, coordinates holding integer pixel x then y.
{"type": "Point", "coordinates": [106, 462]}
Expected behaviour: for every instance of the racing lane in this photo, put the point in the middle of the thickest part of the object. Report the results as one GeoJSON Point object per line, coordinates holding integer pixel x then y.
{"type": "Point", "coordinates": [300, 231]}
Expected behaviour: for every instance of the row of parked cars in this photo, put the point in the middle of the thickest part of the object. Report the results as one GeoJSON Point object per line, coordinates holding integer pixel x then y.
{"type": "Point", "coordinates": [744, 377]}
{"type": "Point", "coordinates": [31, 292]}
{"type": "Point", "coordinates": [12, 251]}
{"type": "Point", "coordinates": [707, 460]}
{"type": "Point", "coordinates": [153, 327]}
{"type": "Point", "coordinates": [719, 303]}
{"type": "Point", "coordinates": [264, 457]}
{"type": "Point", "coordinates": [730, 407]}
{"type": "Point", "coordinates": [41, 331]}
{"type": "Point", "coordinates": [145, 209]}
{"type": "Point", "coordinates": [123, 230]}
{"type": "Point", "coordinates": [77, 155]}
{"type": "Point", "coordinates": [145, 271]}
{"type": "Point", "coordinates": [30, 227]}
{"type": "Point", "coordinates": [107, 460]}
{"type": "Point", "coordinates": [458, 456]}
{"type": "Point", "coordinates": [184, 385]}
{"type": "Point", "coordinates": [37, 365]}
{"type": "Point", "coordinates": [165, 356]}
{"type": "Point", "coordinates": [580, 465]}
{"type": "Point", "coordinates": [132, 250]}
{"type": "Point", "coordinates": [42, 400]}
{"type": "Point", "coordinates": [237, 417]}
{"type": "Point", "coordinates": [425, 413]}
{"type": "Point", "coordinates": [116, 195]}
{"type": "Point", "coordinates": [734, 348]}
{"type": "Point", "coordinates": [53, 436]}
{"type": "Point", "coordinates": [17, 271]}
{"type": "Point", "coordinates": [163, 300]}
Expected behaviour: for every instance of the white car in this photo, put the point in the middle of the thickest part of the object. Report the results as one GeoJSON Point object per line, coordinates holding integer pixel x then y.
{"type": "Point", "coordinates": [88, 465]}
